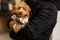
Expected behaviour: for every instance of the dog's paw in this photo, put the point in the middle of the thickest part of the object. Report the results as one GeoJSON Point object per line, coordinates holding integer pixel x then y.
{"type": "Point", "coordinates": [16, 27]}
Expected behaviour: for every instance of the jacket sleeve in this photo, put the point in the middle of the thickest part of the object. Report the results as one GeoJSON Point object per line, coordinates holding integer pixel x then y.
{"type": "Point", "coordinates": [42, 24]}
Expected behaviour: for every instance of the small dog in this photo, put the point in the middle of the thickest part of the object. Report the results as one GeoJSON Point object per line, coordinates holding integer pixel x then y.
{"type": "Point", "coordinates": [20, 16]}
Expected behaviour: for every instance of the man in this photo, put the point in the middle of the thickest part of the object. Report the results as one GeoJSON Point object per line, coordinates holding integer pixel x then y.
{"type": "Point", "coordinates": [42, 21]}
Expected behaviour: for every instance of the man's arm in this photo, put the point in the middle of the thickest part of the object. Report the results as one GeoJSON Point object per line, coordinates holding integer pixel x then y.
{"type": "Point", "coordinates": [43, 22]}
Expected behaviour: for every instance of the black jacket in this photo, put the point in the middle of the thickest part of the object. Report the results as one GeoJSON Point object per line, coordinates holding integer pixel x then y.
{"type": "Point", "coordinates": [57, 3]}
{"type": "Point", "coordinates": [42, 21]}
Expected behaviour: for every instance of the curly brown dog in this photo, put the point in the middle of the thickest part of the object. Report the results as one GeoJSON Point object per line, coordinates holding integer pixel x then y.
{"type": "Point", "coordinates": [20, 16]}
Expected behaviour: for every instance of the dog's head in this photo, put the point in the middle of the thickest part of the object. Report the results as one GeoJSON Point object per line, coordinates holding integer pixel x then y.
{"type": "Point", "coordinates": [21, 10]}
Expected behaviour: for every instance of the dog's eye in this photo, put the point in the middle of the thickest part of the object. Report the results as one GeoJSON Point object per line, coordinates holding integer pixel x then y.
{"type": "Point", "coordinates": [24, 8]}
{"type": "Point", "coordinates": [19, 8]}
{"type": "Point", "coordinates": [14, 13]}
{"type": "Point", "coordinates": [25, 15]}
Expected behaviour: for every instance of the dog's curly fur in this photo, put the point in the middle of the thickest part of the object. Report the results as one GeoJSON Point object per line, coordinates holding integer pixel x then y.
{"type": "Point", "coordinates": [20, 10]}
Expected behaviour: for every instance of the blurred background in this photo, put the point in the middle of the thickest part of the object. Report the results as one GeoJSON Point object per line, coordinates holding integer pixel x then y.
{"type": "Point", "coordinates": [5, 8]}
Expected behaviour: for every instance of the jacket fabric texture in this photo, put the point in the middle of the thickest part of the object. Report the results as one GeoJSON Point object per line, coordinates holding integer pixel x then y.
{"type": "Point", "coordinates": [42, 21]}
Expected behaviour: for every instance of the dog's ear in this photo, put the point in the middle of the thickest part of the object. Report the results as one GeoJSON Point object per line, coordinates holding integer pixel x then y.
{"type": "Point", "coordinates": [13, 9]}
{"type": "Point", "coordinates": [26, 6]}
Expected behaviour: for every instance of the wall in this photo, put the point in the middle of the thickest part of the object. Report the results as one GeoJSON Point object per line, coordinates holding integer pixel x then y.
{"type": "Point", "coordinates": [3, 25]}
{"type": "Point", "coordinates": [56, 32]}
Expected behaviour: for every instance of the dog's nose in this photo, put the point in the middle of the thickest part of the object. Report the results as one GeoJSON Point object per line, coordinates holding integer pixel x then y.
{"type": "Point", "coordinates": [20, 13]}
